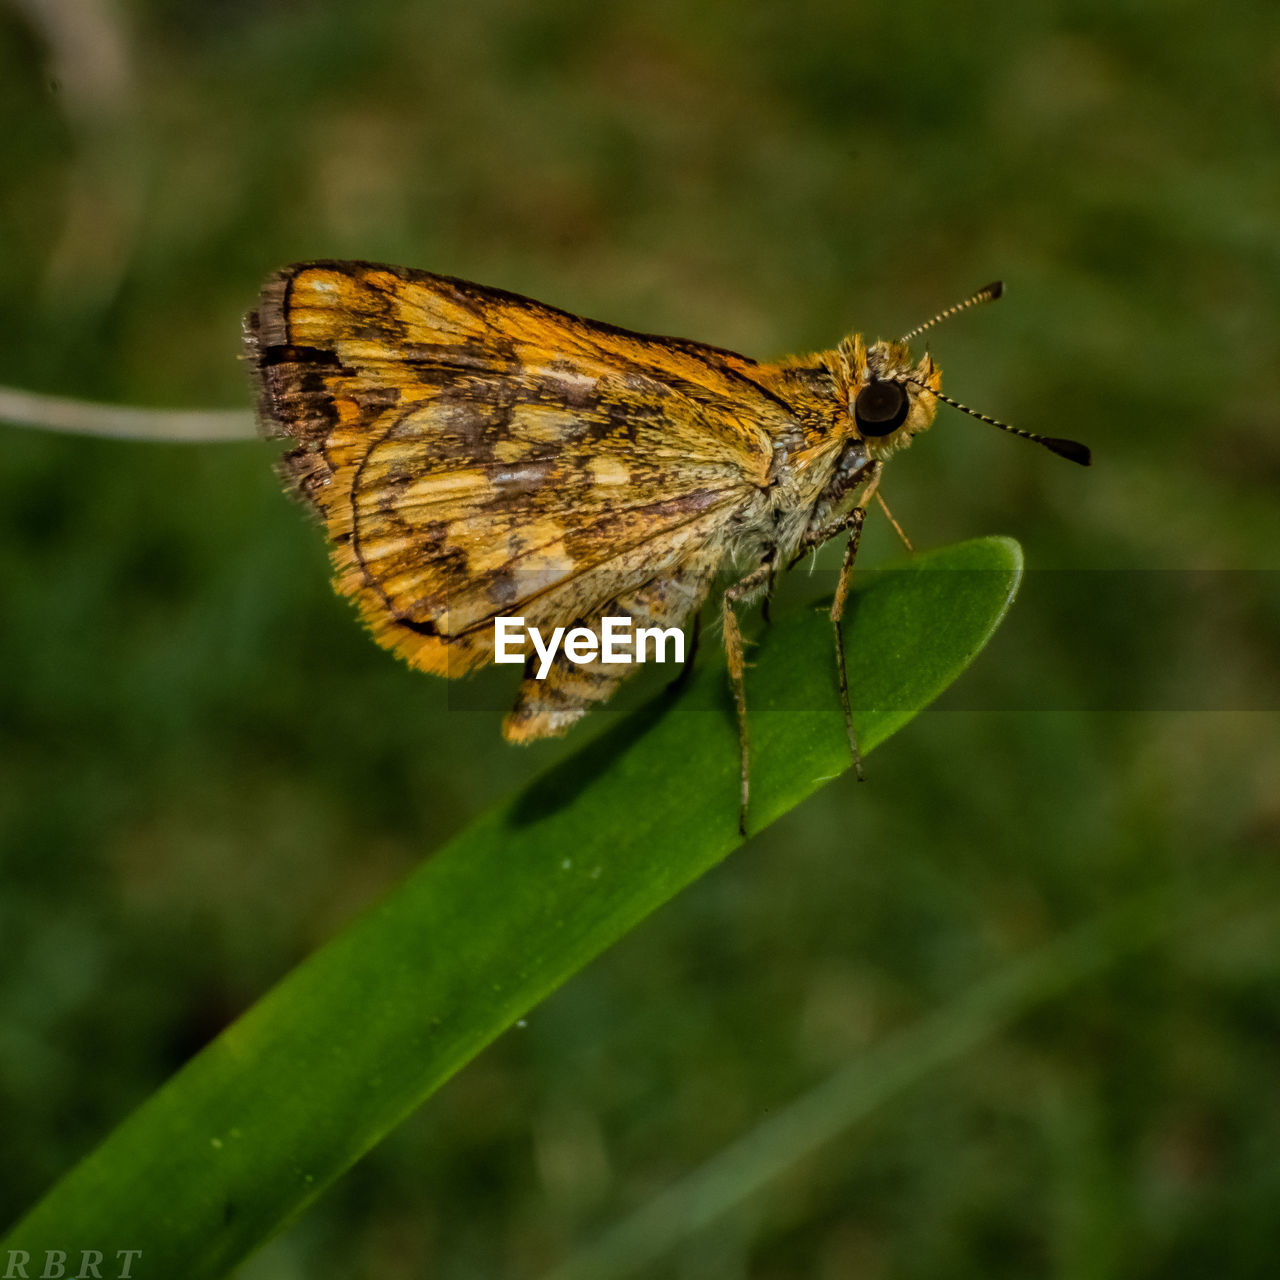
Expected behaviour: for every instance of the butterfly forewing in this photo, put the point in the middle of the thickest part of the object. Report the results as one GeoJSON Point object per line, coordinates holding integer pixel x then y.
{"type": "Point", "coordinates": [475, 454]}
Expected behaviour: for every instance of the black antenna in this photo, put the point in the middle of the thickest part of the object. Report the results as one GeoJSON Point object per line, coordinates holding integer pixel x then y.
{"type": "Point", "coordinates": [988, 293]}
{"type": "Point", "coordinates": [1072, 450]}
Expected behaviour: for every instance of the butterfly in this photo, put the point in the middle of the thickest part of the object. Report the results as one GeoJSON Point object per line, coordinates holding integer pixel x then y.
{"type": "Point", "coordinates": [476, 455]}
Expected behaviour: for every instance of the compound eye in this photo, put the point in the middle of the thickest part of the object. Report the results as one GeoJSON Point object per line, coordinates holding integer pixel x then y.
{"type": "Point", "coordinates": [880, 407]}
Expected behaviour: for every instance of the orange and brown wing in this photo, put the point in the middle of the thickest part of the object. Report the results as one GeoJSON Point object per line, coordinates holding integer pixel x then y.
{"type": "Point", "coordinates": [474, 453]}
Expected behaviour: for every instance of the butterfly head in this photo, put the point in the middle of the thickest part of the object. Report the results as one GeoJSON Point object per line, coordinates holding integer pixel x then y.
{"type": "Point", "coordinates": [890, 396]}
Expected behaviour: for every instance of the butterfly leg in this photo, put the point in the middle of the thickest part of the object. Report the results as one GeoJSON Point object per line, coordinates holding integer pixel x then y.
{"type": "Point", "coordinates": [733, 651]}
{"type": "Point", "coordinates": [858, 514]}
{"type": "Point", "coordinates": [897, 528]}
{"type": "Point", "coordinates": [695, 636]}
{"type": "Point", "coordinates": [850, 522]}
{"type": "Point", "coordinates": [767, 599]}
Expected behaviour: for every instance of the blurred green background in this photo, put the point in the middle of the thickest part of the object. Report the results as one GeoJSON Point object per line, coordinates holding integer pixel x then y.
{"type": "Point", "coordinates": [206, 767]}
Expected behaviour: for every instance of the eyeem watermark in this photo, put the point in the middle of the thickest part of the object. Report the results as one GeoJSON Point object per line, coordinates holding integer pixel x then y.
{"type": "Point", "coordinates": [53, 1264]}
{"type": "Point", "coordinates": [615, 642]}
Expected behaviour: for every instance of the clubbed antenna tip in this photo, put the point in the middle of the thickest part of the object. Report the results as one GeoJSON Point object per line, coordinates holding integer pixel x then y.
{"type": "Point", "coordinates": [1072, 450]}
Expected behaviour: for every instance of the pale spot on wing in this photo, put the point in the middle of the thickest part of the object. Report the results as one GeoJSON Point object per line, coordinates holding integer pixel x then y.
{"type": "Point", "coordinates": [547, 552]}
{"type": "Point", "coordinates": [607, 470]}
{"type": "Point", "coordinates": [372, 352]}
{"type": "Point", "coordinates": [440, 486]}
{"type": "Point", "coordinates": [544, 537]}
{"type": "Point", "coordinates": [537, 424]}
{"type": "Point", "coordinates": [373, 549]}
{"type": "Point", "coordinates": [311, 326]}
{"type": "Point", "coordinates": [432, 308]}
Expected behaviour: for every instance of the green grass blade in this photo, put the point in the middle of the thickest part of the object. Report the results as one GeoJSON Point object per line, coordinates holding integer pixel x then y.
{"type": "Point", "coordinates": [254, 1127]}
